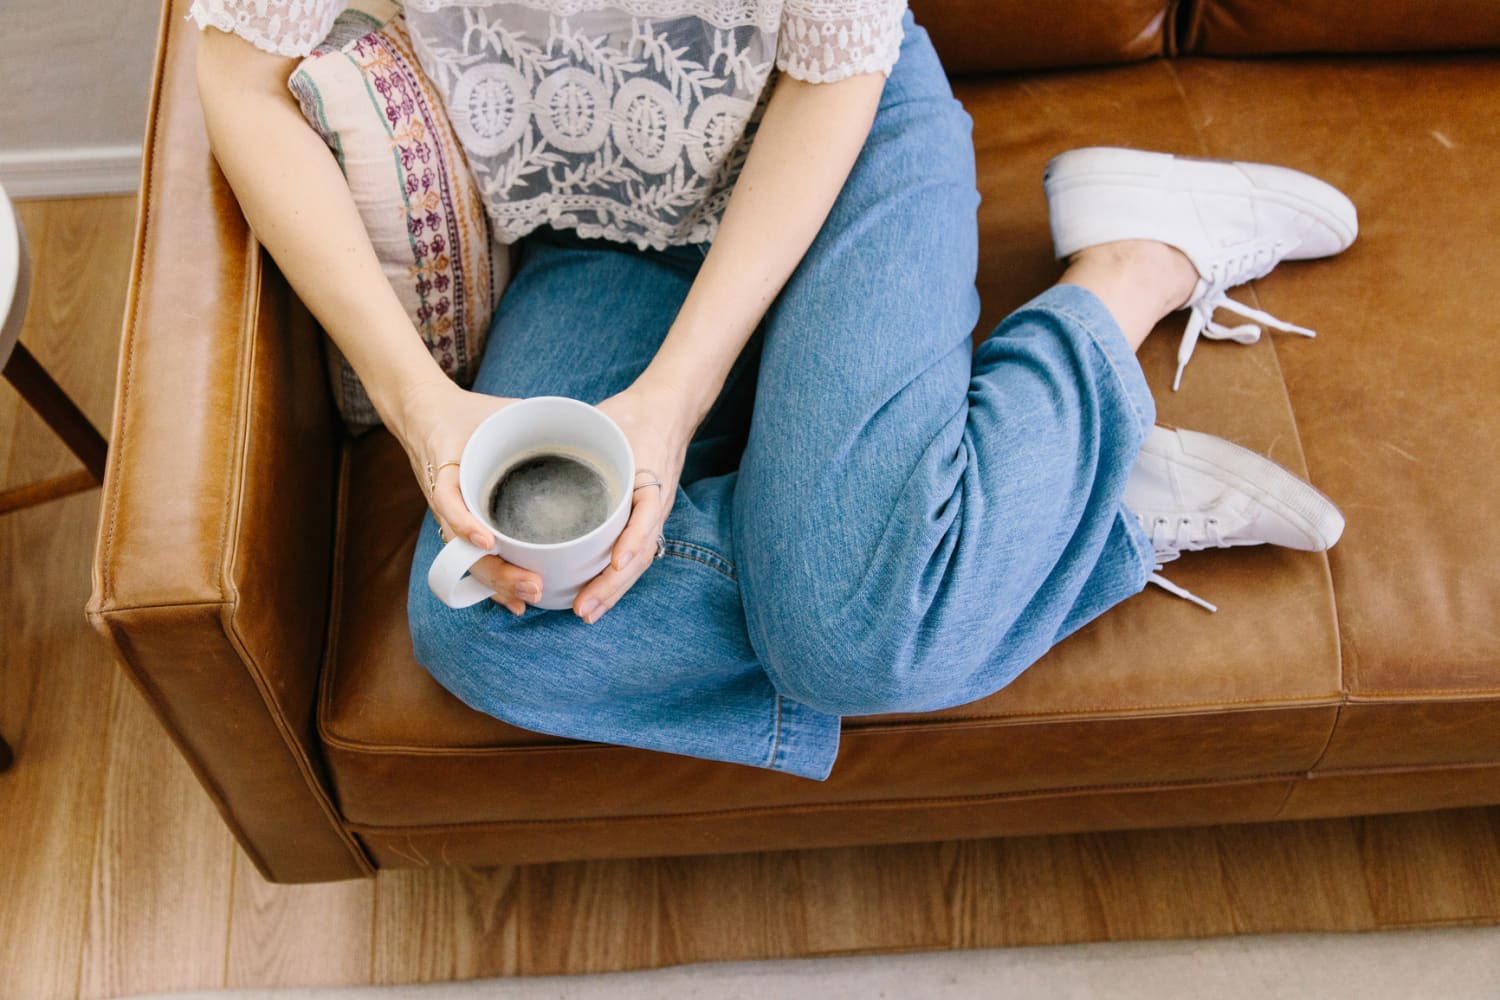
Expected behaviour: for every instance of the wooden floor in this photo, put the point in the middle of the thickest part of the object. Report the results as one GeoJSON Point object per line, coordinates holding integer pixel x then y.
{"type": "Point", "coordinates": [117, 876]}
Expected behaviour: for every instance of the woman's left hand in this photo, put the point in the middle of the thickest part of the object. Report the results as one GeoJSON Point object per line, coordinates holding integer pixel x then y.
{"type": "Point", "coordinates": [653, 423]}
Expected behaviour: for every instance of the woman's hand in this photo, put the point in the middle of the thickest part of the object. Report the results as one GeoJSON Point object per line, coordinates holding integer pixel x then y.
{"type": "Point", "coordinates": [653, 421]}
{"type": "Point", "coordinates": [435, 423]}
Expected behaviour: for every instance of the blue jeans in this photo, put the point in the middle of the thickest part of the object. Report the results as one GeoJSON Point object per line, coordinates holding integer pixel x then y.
{"type": "Point", "coordinates": [874, 517]}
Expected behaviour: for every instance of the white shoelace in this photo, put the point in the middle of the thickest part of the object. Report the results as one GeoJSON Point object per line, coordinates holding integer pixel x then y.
{"type": "Point", "coordinates": [1212, 295]}
{"type": "Point", "coordinates": [1182, 539]}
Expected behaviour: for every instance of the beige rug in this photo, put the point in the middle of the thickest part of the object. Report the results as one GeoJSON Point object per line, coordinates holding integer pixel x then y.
{"type": "Point", "coordinates": [1453, 964]}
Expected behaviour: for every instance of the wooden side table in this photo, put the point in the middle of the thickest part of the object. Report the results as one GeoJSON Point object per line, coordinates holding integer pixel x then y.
{"type": "Point", "coordinates": [38, 388]}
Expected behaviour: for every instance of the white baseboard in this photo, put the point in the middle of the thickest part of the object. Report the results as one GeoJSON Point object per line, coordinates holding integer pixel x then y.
{"type": "Point", "coordinates": [71, 172]}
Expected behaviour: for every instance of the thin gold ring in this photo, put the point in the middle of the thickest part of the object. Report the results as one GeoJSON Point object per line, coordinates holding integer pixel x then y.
{"type": "Point", "coordinates": [432, 472]}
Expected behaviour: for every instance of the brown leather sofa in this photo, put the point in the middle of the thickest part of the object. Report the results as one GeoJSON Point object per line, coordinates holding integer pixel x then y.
{"type": "Point", "coordinates": [252, 562]}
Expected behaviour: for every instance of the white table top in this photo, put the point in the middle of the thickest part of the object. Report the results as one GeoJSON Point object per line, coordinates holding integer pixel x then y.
{"type": "Point", "coordinates": [15, 277]}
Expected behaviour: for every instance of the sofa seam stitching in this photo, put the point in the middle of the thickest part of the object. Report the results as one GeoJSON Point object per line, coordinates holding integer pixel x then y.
{"type": "Point", "coordinates": [813, 807]}
{"type": "Point", "coordinates": [967, 722]}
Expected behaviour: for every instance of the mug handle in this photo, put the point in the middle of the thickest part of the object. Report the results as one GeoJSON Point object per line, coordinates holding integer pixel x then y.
{"type": "Point", "coordinates": [449, 578]}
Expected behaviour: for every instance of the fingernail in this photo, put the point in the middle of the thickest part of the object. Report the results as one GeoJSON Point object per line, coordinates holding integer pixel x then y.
{"type": "Point", "coordinates": [479, 539]}
{"type": "Point", "coordinates": [528, 591]}
{"type": "Point", "coordinates": [624, 559]}
{"type": "Point", "coordinates": [587, 610]}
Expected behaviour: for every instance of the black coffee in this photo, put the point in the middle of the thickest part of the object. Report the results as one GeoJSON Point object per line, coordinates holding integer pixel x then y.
{"type": "Point", "coordinates": [549, 498]}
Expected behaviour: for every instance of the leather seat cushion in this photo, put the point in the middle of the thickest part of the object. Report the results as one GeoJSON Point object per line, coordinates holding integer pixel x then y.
{"type": "Point", "coordinates": [1395, 400]}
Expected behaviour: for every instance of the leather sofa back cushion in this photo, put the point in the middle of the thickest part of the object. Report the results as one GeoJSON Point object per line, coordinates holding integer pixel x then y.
{"type": "Point", "coordinates": [995, 36]}
{"type": "Point", "coordinates": [1263, 27]}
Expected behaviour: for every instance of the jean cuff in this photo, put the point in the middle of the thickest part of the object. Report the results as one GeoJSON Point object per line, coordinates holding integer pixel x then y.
{"type": "Point", "coordinates": [806, 741]}
{"type": "Point", "coordinates": [1089, 316]}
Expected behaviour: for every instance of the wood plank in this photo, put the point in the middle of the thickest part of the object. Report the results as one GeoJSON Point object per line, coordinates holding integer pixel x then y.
{"type": "Point", "coordinates": [298, 935]}
{"type": "Point", "coordinates": [1293, 877]}
{"type": "Point", "coordinates": [1127, 885]}
{"type": "Point", "coordinates": [1416, 877]}
{"type": "Point", "coordinates": [591, 916]}
{"type": "Point", "coordinates": [54, 684]}
{"type": "Point", "coordinates": [869, 899]}
{"type": "Point", "coordinates": [55, 676]}
{"type": "Point", "coordinates": [441, 924]}
{"type": "Point", "coordinates": [163, 863]}
{"type": "Point", "coordinates": [746, 903]}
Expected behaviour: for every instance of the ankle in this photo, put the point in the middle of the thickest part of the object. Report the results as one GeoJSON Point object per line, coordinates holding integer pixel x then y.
{"type": "Point", "coordinates": [1162, 274]}
{"type": "Point", "coordinates": [1139, 281]}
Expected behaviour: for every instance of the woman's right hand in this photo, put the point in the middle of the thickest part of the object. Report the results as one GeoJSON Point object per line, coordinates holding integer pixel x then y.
{"type": "Point", "coordinates": [435, 421]}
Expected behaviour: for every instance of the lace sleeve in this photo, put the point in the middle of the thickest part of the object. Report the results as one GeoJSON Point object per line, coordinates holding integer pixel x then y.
{"type": "Point", "coordinates": [824, 41]}
{"type": "Point", "coordinates": [282, 27]}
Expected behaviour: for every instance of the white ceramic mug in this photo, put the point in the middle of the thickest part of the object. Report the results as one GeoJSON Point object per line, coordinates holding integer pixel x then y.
{"type": "Point", "coordinates": [522, 430]}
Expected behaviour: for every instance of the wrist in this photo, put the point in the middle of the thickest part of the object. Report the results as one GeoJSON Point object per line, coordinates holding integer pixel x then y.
{"type": "Point", "coordinates": [403, 406]}
{"type": "Point", "coordinates": [682, 403]}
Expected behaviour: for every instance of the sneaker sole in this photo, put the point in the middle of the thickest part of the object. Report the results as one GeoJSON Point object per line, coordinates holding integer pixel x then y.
{"type": "Point", "coordinates": [1141, 168]}
{"type": "Point", "coordinates": [1296, 500]}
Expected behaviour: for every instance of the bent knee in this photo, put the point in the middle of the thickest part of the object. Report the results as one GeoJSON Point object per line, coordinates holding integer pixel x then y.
{"type": "Point", "coordinates": [868, 675]}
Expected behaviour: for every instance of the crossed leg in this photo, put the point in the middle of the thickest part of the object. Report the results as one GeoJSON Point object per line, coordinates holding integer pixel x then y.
{"type": "Point", "coordinates": [916, 524]}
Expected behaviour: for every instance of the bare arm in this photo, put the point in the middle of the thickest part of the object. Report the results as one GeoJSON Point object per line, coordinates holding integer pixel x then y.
{"type": "Point", "coordinates": [298, 204]}
{"type": "Point", "coordinates": [801, 156]}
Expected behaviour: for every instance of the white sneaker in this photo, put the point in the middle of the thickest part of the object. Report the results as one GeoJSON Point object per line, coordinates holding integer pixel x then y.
{"type": "Point", "coordinates": [1234, 221]}
{"type": "Point", "coordinates": [1193, 491]}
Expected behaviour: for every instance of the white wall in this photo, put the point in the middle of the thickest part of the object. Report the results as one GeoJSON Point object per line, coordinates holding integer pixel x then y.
{"type": "Point", "coordinates": [75, 75]}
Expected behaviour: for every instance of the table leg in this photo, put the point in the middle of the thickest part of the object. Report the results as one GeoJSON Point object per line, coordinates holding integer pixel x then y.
{"type": "Point", "coordinates": [47, 398]}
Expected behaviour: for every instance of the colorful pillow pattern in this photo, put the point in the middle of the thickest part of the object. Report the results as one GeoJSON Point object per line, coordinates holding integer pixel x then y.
{"type": "Point", "coordinates": [364, 92]}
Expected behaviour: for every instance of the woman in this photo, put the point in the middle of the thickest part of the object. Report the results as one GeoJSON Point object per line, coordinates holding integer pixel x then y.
{"type": "Point", "coordinates": [854, 512]}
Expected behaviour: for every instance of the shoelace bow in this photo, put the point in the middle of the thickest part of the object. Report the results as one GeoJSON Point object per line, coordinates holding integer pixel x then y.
{"type": "Point", "coordinates": [1181, 540]}
{"type": "Point", "coordinates": [1225, 275]}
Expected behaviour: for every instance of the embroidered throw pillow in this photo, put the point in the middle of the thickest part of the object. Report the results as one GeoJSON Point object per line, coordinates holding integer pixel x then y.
{"type": "Point", "coordinates": [364, 92]}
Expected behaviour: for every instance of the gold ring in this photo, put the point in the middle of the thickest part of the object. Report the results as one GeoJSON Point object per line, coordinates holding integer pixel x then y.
{"type": "Point", "coordinates": [432, 472]}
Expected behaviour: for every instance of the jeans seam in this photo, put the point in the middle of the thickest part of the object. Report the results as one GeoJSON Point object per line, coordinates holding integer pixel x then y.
{"type": "Point", "coordinates": [699, 554]}
{"type": "Point", "coordinates": [1109, 359]}
{"type": "Point", "coordinates": [775, 734]}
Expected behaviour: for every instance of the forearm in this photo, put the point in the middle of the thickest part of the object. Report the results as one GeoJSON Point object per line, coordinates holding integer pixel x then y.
{"type": "Point", "coordinates": [801, 157]}
{"type": "Point", "coordinates": [298, 205]}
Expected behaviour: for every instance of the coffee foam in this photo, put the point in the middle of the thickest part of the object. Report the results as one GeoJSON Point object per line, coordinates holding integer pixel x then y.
{"type": "Point", "coordinates": [556, 503]}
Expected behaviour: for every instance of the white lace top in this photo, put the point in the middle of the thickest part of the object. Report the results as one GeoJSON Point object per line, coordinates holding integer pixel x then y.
{"type": "Point", "coordinates": [626, 119]}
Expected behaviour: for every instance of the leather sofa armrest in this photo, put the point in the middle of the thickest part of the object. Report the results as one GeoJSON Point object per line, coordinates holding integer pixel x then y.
{"type": "Point", "coordinates": [214, 565]}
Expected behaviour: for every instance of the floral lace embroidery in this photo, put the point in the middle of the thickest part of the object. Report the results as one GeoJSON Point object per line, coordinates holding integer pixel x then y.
{"type": "Point", "coordinates": [282, 27]}
{"type": "Point", "coordinates": [626, 119]}
{"type": "Point", "coordinates": [606, 123]}
{"type": "Point", "coordinates": [827, 42]}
